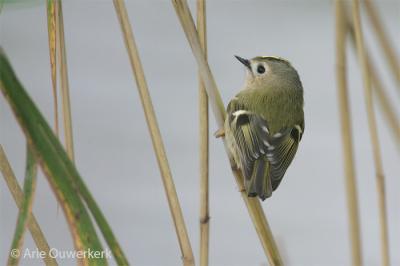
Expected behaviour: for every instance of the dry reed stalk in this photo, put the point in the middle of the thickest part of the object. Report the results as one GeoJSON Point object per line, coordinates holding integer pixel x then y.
{"type": "Point", "coordinates": [390, 54]}
{"type": "Point", "coordinates": [348, 154]}
{"type": "Point", "coordinates": [253, 205]}
{"type": "Point", "coordinates": [52, 12]}
{"type": "Point", "coordinates": [380, 178]}
{"type": "Point", "coordinates": [204, 144]}
{"type": "Point", "coordinates": [18, 195]}
{"type": "Point", "coordinates": [66, 104]}
{"type": "Point", "coordinates": [176, 212]}
{"type": "Point", "coordinates": [384, 101]}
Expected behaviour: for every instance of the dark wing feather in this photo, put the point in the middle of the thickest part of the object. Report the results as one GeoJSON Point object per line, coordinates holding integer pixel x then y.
{"type": "Point", "coordinates": [249, 136]}
{"type": "Point", "coordinates": [283, 153]}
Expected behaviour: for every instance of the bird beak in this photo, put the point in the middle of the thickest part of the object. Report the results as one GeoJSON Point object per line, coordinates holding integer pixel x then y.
{"type": "Point", "coordinates": [245, 62]}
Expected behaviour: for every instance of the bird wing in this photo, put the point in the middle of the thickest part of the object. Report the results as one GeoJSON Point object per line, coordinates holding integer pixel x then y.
{"type": "Point", "coordinates": [253, 141]}
{"type": "Point", "coordinates": [280, 154]}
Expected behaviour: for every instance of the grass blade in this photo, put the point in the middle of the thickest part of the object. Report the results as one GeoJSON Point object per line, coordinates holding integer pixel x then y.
{"type": "Point", "coordinates": [173, 201]}
{"type": "Point", "coordinates": [203, 144]}
{"type": "Point", "coordinates": [59, 170]}
{"type": "Point", "coordinates": [26, 208]}
{"type": "Point", "coordinates": [52, 12]}
{"type": "Point", "coordinates": [380, 178]}
{"type": "Point", "coordinates": [66, 103]}
{"type": "Point", "coordinates": [101, 221]}
{"type": "Point", "coordinates": [253, 205]}
{"type": "Point", "coordinates": [16, 192]}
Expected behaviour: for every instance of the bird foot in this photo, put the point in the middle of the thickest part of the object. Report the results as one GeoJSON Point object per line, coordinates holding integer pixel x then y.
{"type": "Point", "coordinates": [219, 133]}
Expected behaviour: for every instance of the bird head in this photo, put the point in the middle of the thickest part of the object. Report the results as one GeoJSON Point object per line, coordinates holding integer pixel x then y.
{"type": "Point", "coordinates": [269, 71]}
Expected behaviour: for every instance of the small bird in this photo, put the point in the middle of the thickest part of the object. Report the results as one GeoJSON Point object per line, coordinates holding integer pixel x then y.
{"type": "Point", "coordinates": [265, 123]}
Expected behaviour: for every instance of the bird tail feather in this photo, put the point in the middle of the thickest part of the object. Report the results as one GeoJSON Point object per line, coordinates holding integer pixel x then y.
{"type": "Point", "coordinates": [260, 181]}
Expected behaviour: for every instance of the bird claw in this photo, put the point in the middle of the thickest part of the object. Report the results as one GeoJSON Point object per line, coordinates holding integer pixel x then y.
{"type": "Point", "coordinates": [219, 133]}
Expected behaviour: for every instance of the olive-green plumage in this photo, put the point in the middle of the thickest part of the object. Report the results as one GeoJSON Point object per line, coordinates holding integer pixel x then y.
{"type": "Point", "coordinates": [265, 123]}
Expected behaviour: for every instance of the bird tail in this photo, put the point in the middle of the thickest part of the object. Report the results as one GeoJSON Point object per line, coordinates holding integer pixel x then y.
{"type": "Point", "coordinates": [259, 184]}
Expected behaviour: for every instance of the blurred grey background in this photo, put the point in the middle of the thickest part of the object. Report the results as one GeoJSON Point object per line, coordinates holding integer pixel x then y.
{"type": "Point", "coordinates": [307, 214]}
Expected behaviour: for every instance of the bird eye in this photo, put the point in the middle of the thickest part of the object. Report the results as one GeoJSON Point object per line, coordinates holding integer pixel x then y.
{"type": "Point", "coordinates": [260, 69]}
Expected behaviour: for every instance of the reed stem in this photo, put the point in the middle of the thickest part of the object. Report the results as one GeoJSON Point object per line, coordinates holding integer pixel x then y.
{"type": "Point", "coordinates": [390, 54]}
{"type": "Point", "coordinates": [380, 178]}
{"type": "Point", "coordinates": [384, 101]}
{"type": "Point", "coordinates": [169, 186]}
{"type": "Point", "coordinates": [204, 144]}
{"type": "Point", "coordinates": [347, 141]}
{"type": "Point", "coordinates": [253, 205]}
